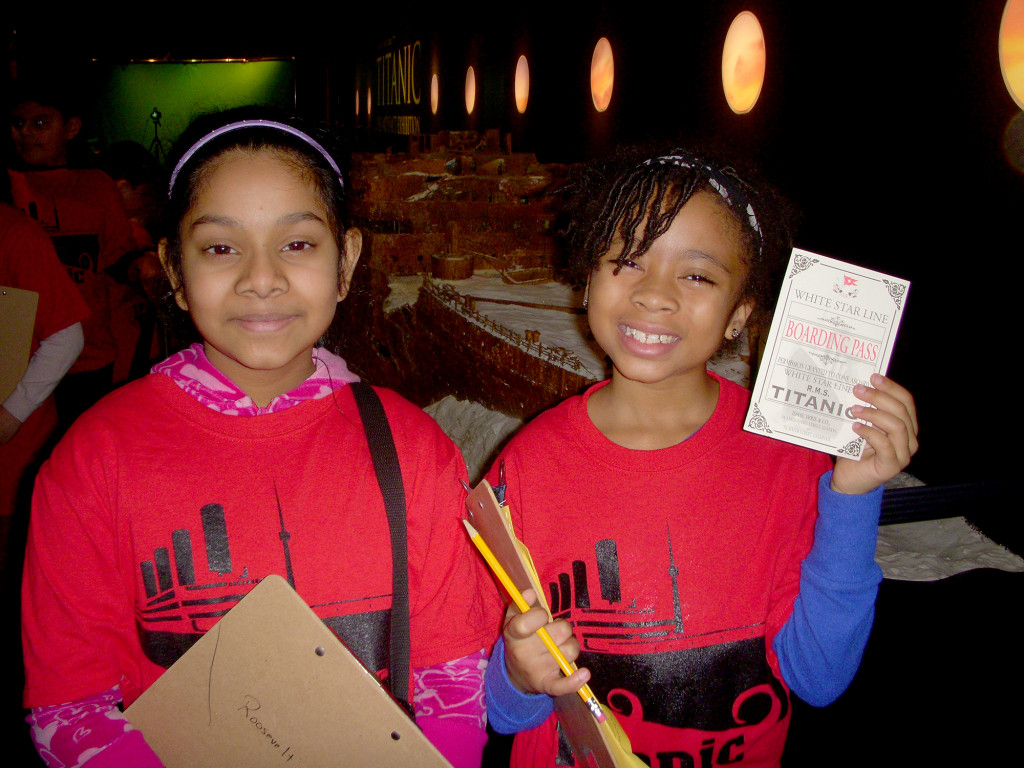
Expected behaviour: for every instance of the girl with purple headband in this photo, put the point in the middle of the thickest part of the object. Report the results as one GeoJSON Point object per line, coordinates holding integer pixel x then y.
{"type": "Point", "coordinates": [700, 572]}
{"type": "Point", "coordinates": [241, 456]}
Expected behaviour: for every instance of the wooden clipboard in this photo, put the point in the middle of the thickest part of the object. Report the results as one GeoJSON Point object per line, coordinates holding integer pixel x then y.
{"type": "Point", "coordinates": [17, 321]}
{"type": "Point", "coordinates": [594, 744]}
{"type": "Point", "coordinates": [271, 685]}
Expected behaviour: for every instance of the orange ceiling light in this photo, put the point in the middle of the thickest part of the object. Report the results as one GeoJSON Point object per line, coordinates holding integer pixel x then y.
{"type": "Point", "coordinates": [602, 75]}
{"type": "Point", "coordinates": [470, 90]}
{"type": "Point", "coordinates": [1011, 49]}
{"type": "Point", "coordinates": [743, 63]}
{"type": "Point", "coordinates": [522, 84]}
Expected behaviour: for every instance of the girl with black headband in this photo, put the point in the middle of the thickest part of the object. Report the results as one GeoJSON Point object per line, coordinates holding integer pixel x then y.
{"type": "Point", "coordinates": [699, 572]}
{"type": "Point", "coordinates": [245, 455]}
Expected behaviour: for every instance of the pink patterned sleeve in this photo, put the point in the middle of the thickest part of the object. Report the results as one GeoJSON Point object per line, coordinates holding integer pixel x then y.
{"type": "Point", "coordinates": [93, 732]}
{"type": "Point", "coordinates": [448, 700]}
{"type": "Point", "coordinates": [89, 732]}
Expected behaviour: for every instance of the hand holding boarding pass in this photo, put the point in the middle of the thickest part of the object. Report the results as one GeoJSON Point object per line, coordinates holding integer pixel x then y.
{"type": "Point", "coordinates": [832, 333]}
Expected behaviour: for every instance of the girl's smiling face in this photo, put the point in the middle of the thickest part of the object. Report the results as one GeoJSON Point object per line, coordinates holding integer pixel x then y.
{"type": "Point", "coordinates": [260, 272]}
{"type": "Point", "coordinates": [663, 316]}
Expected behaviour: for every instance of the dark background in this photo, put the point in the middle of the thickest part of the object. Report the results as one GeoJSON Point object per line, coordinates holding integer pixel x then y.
{"type": "Point", "coordinates": [885, 123]}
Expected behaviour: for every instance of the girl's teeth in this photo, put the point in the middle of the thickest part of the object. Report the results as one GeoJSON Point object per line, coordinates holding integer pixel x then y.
{"type": "Point", "coordinates": [648, 338]}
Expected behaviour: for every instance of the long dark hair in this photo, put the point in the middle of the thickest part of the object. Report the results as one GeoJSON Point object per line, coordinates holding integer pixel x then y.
{"type": "Point", "coordinates": [189, 175]}
{"type": "Point", "coordinates": [192, 166]}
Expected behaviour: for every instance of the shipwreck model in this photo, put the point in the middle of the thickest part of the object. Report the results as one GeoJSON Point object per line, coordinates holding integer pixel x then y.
{"type": "Point", "coordinates": [458, 280]}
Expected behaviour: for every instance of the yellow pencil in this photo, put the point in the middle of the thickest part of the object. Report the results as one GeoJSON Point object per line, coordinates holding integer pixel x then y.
{"type": "Point", "coordinates": [567, 669]}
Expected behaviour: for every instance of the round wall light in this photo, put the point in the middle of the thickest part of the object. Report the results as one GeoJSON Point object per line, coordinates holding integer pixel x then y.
{"type": "Point", "coordinates": [743, 63]}
{"type": "Point", "coordinates": [1011, 49]}
{"type": "Point", "coordinates": [522, 84]}
{"type": "Point", "coordinates": [470, 90]}
{"type": "Point", "coordinates": [434, 95]}
{"type": "Point", "coordinates": [602, 75]}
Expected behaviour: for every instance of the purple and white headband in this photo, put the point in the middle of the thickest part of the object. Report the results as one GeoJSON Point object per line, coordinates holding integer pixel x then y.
{"type": "Point", "coordinates": [733, 195]}
{"type": "Point", "coordinates": [284, 127]}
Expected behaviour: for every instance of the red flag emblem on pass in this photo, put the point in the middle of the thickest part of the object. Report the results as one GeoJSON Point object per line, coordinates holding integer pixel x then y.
{"type": "Point", "coordinates": [847, 280]}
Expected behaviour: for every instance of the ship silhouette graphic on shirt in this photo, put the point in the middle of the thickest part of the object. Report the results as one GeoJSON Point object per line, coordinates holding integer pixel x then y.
{"type": "Point", "coordinates": [708, 694]}
{"type": "Point", "coordinates": [180, 607]}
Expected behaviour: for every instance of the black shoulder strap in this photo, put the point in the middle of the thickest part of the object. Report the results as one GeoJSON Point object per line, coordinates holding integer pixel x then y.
{"type": "Point", "coordinates": [389, 476]}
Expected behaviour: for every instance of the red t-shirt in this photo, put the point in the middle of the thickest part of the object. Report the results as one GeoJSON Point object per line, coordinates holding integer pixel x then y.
{"type": "Point", "coordinates": [27, 261]}
{"type": "Point", "coordinates": [676, 568]}
{"type": "Point", "coordinates": [155, 515]}
{"type": "Point", "coordinates": [82, 212]}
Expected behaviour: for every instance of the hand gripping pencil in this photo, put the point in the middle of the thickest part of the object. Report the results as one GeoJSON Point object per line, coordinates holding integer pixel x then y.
{"type": "Point", "coordinates": [567, 669]}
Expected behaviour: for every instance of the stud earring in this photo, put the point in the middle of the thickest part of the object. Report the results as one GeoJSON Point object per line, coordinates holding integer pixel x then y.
{"type": "Point", "coordinates": [735, 333]}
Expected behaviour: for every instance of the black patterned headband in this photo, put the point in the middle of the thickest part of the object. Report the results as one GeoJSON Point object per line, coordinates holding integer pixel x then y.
{"type": "Point", "coordinates": [732, 193]}
{"type": "Point", "coordinates": [252, 124]}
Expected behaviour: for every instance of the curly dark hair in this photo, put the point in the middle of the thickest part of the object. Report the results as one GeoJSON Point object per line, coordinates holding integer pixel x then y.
{"type": "Point", "coordinates": [614, 196]}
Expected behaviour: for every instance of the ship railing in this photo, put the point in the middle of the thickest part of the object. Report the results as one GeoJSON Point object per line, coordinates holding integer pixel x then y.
{"type": "Point", "coordinates": [451, 298]}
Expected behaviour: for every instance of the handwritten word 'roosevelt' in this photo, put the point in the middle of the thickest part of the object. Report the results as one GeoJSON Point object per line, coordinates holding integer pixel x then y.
{"type": "Point", "coordinates": [250, 706]}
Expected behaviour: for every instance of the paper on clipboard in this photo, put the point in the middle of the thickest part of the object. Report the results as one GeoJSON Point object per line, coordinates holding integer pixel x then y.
{"type": "Point", "coordinates": [17, 321]}
{"type": "Point", "coordinates": [597, 745]}
{"type": "Point", "coordinates": [271, 685]}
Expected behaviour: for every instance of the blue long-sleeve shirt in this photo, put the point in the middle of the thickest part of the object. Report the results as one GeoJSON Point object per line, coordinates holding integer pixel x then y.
{"type": "Point", "coordinates": [819, 648]}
